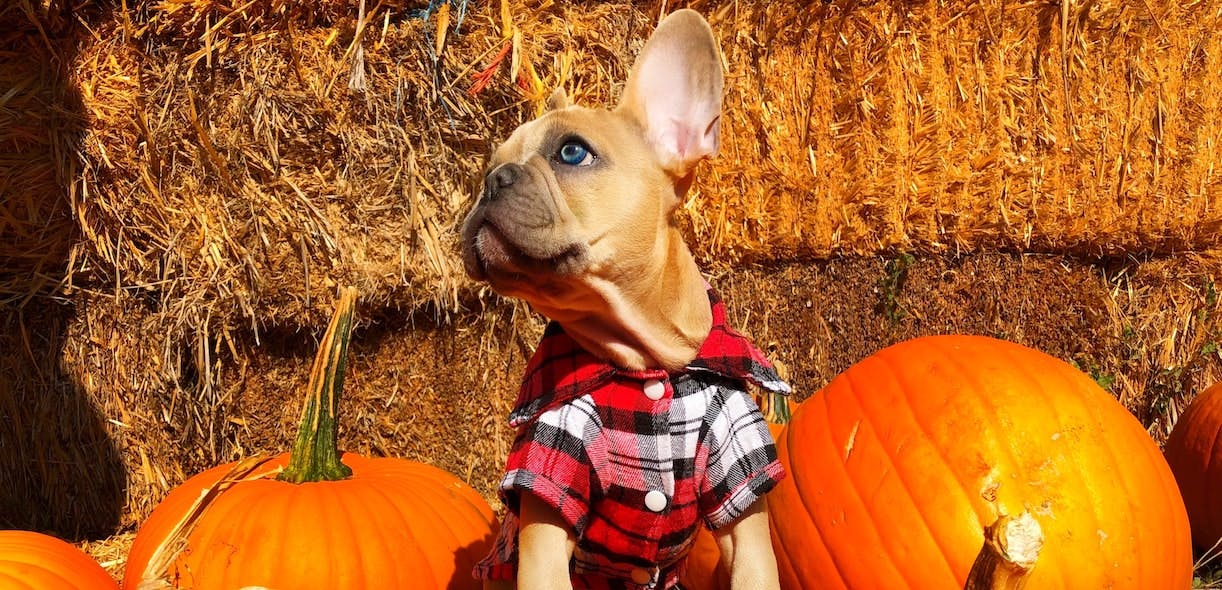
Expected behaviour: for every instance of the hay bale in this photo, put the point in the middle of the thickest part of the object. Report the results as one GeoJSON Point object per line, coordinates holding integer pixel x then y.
{"type": "Point", "coordinates": [1149, 332]}
{"type": "Point", "coordinates": [950, 126]}
{"type": "Point", "coordinates": [247, 177]}
{"type": "Point", "coordinates": [41, 125]}
{"type": "Point", "coordinates": [59, 468]}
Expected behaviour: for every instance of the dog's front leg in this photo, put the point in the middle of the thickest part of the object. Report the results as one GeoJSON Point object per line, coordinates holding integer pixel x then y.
{"type": "Point", "coordinates": [545, 546]}
{"type": "Point", "coordinates": [746, 546]}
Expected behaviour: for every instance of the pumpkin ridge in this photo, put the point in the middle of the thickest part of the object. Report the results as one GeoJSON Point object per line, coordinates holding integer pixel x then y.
{"type": "Point", "coordinates": [893, 466]}
{"type": "Point", "coordinates": [1006, 455]}
{"type": "Point", "coordinates": [782, 563]}
{"type": "Point", "coordinates": [423, 503]}
{"type": "Point", "coordinates": [806, 515]}
{"type": "Point", "coordinates": [396, 509]}
{"type": "Point", "coordinates": [948, 363]}
{"type": "Point", "coordinates": [906, 383]}
{"type": "Point", "coordinates": [1087, 493]}
{"type": "Point", "coordinates": [964, 373]}
{"type": "Point", "coordinates": [1148, 455]}
{"type": "Point", "coordinates": [11, 581]}
{"type": "Point", "coordinates": [339, 530]}
{"type": "Point", "coordinates": [223, 531]}
{"type": "Point", "coordinates": [438, 501]}
{"type": "Point", "coordinates": [432, 503]}
{"type": "Point", "coordinates": [851, 484]}
{"type": "Point", "coordinates": [1014, 355]}
{"type": "Point", "coordinates": [205, 533]}
{"type": "Point", "coordinates": [369, 505]}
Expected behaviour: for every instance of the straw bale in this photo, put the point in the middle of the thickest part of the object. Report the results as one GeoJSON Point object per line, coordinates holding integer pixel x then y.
{"type": "Point", "coordinates": [1149, 331]}
{"type": "Point", "coordinates": [59, 468]}
{"type": "Point", "coordinates": [244, 177]}
{"type": "Point", "coordinates": [1084, 127]}
{"type": "Point", "coordinates": [40, 130]}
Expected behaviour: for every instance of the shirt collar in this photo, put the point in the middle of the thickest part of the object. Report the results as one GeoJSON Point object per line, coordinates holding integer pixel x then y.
{"type": "Point", "coordinates": [561, 370]}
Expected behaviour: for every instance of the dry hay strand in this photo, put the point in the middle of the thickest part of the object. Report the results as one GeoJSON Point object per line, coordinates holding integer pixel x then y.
{"type": "Point", "coordinates": [110, 552]}
{"type": "Point", "coordinates": [936, 126]}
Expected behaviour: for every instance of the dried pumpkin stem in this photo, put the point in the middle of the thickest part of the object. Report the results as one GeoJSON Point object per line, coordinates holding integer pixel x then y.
{"type": "Point", "coordinates": [315, 455]}
{"type": "Point", "coordinates": [1011, 547]}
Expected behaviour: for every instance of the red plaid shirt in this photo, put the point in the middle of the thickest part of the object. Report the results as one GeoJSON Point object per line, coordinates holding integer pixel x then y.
{"type": "Point", "coordinates": [634, 460]}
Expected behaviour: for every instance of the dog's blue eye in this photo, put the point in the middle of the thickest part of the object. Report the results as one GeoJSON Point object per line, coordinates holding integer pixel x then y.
{"type": "Point", "coordinates": [575, 153]}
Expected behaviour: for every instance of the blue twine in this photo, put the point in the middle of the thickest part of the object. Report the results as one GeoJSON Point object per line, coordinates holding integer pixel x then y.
{"type": "Point", "coordinates": [427, 12]}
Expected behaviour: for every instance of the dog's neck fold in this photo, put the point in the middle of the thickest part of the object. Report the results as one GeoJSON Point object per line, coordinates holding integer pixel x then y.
{"type": "Point", "coordinates": [653, 320]}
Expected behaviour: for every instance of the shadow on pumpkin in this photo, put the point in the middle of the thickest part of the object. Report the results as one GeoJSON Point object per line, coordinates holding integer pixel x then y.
{"type": "Point", "coordinates": [465, 560]}
{"type": "Point", "coordinates": [59, 470]}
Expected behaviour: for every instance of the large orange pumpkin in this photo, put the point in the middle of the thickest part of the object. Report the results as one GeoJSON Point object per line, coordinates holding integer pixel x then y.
{"type": "Point", "coordinates": [963, 461]}
{"type": "Point", "coordinates": [322, 522]}
{"type": "Point", "coordinates": [1194, 452]}
{"type": "Point", "coordinates": [35, 561]}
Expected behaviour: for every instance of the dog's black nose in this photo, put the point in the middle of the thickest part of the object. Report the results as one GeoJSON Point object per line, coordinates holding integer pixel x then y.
{"type": "Point", "coordinates": [502, 177]}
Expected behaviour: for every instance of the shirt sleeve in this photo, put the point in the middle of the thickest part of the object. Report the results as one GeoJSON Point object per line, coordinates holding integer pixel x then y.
{"type": "Point", "coordinates": [549, 460]}
{"type": "Point", "coordinates": [742, 462]}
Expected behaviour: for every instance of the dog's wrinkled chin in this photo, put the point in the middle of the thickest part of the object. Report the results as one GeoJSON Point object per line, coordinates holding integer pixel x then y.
{"type": "Point", "coordinates": [492, 256]}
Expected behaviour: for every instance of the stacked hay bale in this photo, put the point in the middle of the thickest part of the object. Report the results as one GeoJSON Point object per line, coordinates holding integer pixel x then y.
{"type": "Point", "coordinates": [40, 129]}
{"type": "Point", "coordinates": [234, 162]}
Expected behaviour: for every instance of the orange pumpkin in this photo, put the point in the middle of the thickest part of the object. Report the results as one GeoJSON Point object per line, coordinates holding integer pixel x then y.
{"type": "Point", "coordinates": [704, 568]}
{"type": "Point", "coordinates": [41, 562]}
{"type": "Point", "coordinates": [969, 462]}
{"type": "Point", "coordinates": [1194, 452]}
{"type": "Point", "coordinates": [324, 521]}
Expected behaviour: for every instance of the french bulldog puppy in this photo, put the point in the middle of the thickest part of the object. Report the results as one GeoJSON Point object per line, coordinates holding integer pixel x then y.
{"type": "Point", "coordinates": [634, 425]}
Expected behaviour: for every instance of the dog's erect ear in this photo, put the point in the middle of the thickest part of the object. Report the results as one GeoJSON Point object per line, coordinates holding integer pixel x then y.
{"type": "Point", "coordinates": [674, 91]}
{"type": "Point", "coordinates": [558, 100]}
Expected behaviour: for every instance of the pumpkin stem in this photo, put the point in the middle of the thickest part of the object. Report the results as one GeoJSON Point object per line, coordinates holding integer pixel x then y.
{"type": "Point", "coordinates": [1011, 547]}
{"type": "Point", "coordinates": [315, 455]}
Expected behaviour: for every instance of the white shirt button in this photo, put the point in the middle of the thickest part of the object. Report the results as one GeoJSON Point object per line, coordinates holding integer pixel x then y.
{"type": "Point", "coordinates": [654, 389]}
{"type": "Point", "coordinates": [641, 576]}
{"type": "Point", "coordinates": [655, 500]}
